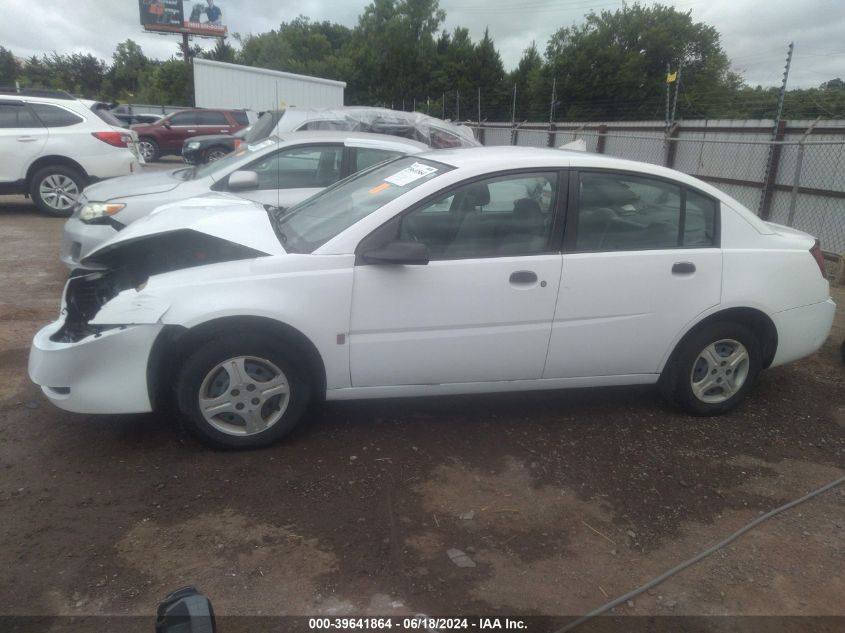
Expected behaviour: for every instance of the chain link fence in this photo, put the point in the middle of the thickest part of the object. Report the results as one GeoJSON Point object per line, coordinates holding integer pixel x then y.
{"type": "Point", "coordinates": [798, 180]}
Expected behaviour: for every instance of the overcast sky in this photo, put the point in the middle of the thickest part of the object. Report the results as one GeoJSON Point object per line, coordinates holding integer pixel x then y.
{"type": "Point", "coordinates": [755, 33]}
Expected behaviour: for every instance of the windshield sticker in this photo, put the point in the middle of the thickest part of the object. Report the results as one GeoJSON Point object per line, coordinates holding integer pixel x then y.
{"type": "Point", "coordinates": [410, 174]}
{"type": "Point", "coordinates": [379, 188]}
{"type": "Point", "coordinates": [260, 145]}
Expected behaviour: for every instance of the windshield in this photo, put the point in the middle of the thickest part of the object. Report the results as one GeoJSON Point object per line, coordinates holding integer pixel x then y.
{"type": "Point", "coordinates": [310, 224]}
{"type": "Point", "coordinates": [224, 164]}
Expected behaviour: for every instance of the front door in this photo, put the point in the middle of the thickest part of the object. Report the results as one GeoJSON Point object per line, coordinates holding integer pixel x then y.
{"type": "Point", "coordinates": [481, 309]}
{"type": "Point", "coordinates": [295, 173]}
{"type": "Point", "coordinates": [641, 261]}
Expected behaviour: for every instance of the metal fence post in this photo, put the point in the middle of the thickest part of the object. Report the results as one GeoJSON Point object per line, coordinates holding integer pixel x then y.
{"type": "Point", "coordinates": [550, 142]}
{"type": "Point", "coordinates": [602, 139]}
{"type": "Point", "coordinates": [796, 182]}
{"type": "Point", "coordinates": [672, 145]}
{"type": "Point", "coordinates": [771, 175]}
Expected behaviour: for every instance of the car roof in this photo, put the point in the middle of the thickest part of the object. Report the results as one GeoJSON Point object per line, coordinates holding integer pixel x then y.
{"type": "Point", "coordinates": [515, 157]}
{"type": "Point", "coordinates": [350, 138]}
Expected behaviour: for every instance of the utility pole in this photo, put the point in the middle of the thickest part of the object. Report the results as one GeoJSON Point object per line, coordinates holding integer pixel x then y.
{"type": "Point", "coordinates": [677, 89]}
{"type": "Point", "coordinates": [415, 105]}
{"type": "Point", "coordinates": [457, 105]}
{"type": "Point", "coordinates": [513, 108]}
{"type": "Point", "coordinates": [552, 103]}
{"type": "Point", "coordinates": [443, 103]}
{"type": "Point", "coordinates": [186, 48]}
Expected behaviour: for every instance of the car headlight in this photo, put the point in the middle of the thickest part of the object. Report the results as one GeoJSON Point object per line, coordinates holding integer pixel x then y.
{"type": "Point", "coordinates": [93, 212]}
{"type": "Point", "coordinates": [193, 145]}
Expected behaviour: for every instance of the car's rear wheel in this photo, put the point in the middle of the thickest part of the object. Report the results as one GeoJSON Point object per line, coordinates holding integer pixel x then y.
{"type": "Point", "coordinates": [149, 149]}
{"type": "Point", "coordinates": [242, 392]}
{"type": "Point", "coordinates": [713, 369]}
{"type": "Point", "coordinates": [55, 189]}
{"type": "Point", "coordinates": [215, 153]}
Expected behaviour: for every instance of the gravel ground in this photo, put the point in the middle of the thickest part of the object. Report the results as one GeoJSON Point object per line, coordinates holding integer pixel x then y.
{"type": "Point", "coordinates": [558, 500]}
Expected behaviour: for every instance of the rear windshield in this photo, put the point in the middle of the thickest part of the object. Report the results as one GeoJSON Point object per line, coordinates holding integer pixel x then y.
{"type": "Point", "coordinates": [264, 126]}
{"type": "Point", "coordinates": [109, 118]}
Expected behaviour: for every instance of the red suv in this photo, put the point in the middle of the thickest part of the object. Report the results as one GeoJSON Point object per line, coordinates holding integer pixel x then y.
{"type": "Point", "coordinates": [167, 135]}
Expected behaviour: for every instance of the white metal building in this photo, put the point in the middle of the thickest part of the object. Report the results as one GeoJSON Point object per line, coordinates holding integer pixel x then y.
{"type": "Point", "coordinates": [222, 85]}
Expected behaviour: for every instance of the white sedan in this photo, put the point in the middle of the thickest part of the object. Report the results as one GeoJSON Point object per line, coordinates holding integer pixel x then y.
{"type": "Point", "coordinates": [454, 271]}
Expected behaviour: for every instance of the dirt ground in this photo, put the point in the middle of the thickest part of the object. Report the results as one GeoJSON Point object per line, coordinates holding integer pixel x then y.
{"type": "Point", "coordinates": [561, 500]}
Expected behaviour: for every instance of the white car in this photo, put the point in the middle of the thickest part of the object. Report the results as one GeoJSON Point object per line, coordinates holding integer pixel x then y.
{"type": "Point", "coordinates": [52, 147]}
{"type": "Point", "coordinates": [455, 271]}
{"type": "Point", "coordinates": [275, 171]}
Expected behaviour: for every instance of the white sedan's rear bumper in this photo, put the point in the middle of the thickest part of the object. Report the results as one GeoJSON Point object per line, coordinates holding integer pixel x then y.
{"type": "Point", "coordinates": [98, 374]}
{"type": "Point", "coordinates": [801, 331]}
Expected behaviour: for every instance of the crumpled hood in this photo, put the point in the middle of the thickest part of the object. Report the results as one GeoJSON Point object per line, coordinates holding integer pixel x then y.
{"type": "Point", "coordinates": [223, 216]}
{"type": "Point", "coordinates": [133, 185]}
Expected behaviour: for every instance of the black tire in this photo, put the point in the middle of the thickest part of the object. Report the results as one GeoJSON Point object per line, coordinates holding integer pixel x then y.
{"type": "Point", "coordinates": [55, 188]}
{"type": "Point", "coordinates": [688, 368]}
{"type": "Point", "coordinates": [215, 153]}
{"type": "Point", "coordinates": [200, 373]}
{"type": "Point", "coordinates": [149, 149]}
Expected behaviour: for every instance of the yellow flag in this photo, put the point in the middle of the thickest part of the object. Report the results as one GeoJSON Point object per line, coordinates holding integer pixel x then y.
{"type": "Point", "coordinates": [671, 77]}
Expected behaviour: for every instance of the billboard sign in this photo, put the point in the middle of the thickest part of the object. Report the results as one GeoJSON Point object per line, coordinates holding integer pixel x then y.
{"type": "Point", "coordinates": [177, 16]}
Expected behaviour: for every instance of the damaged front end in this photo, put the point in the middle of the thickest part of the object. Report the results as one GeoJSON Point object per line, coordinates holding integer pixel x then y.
{"type": "Point", "coordinates": [89, 307]}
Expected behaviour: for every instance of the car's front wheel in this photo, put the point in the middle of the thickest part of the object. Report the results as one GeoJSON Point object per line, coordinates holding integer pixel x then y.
{"type": "Point", "coordinates": [215, 153]}
{"type": "Point", "coordinates": [713, 369]}
{"type": "Point", "coordinates": [242, 392]}
{"type": "Point", "coordinates": [55, 189]}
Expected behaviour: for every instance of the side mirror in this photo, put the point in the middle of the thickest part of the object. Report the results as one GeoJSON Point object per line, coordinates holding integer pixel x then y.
{"type": "Point", "coordinates": [399, 252]}
{"type": "Point", "coordinates": [243, 180]}
{"type": "Point", "coordinates": [166, 124]}
{"type": "Point", "coordinates": [185, 611]}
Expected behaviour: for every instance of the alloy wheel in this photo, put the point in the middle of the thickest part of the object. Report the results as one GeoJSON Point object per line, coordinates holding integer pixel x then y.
{"type": "Point", "coordinates": [244, 395]}
{"type": "Point", "coordinates": [719, 371]}
{"type": "Point", "coordinates": [58, 191]}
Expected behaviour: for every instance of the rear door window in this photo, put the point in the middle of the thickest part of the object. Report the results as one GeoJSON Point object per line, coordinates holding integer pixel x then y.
{"type": "Point", "coordinates": [240, 117]}
{"type": "Point", "coordinates": [627, 212]}
{"type": "Point", "coordinates": [17, 115]}
{"type": "Point", "coordinates": [211, 118]}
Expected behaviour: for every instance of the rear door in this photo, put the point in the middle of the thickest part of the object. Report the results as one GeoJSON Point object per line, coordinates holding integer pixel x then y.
{"type": "Point", "coordinates": [22, 139]}
{"type": "Point", "coordinates": [213, 122]}
{"type": "Point", "coordinates": [641, 261]}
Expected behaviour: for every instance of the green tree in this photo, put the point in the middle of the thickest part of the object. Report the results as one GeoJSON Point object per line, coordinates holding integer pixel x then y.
{"type": "Point", "coordinates": [613, 66]}
{"type": "Point", "coordinates": [9, 69]}
{"type": "Point", "coordinates": [128, 66]}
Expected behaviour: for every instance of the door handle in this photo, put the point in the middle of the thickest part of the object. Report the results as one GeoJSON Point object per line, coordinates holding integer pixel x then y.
{"type": "Point", "coordinates": [523, 277]}
{"type": "Point", "coordinates": [191, 131]}
{"type": "Point", "coordinates": [683, 268]}
{"type": "Point", "coordinates": [26, 139]}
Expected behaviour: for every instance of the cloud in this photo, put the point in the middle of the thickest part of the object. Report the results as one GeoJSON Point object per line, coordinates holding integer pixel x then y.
{"type": "Point", "coordinates": [755, 33]}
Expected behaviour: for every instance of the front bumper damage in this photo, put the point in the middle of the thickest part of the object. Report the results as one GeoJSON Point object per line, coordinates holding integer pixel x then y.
{"type": "Point", "coordinates": [104, 372]}
{"type": "Point", "coordinates": [94, 358]}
